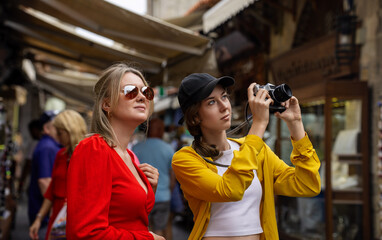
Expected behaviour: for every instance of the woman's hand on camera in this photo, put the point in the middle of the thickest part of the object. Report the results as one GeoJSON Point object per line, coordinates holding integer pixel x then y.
{"type": "Point", "coordinates": [259, 105]}
{"type": "Point", "coordinates": [292, 117]}
{"type": "Point", "coordinates": [292, 112]}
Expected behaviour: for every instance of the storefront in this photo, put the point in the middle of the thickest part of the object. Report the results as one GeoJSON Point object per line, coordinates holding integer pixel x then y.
{"type": "Point", "coordinates": [304, 52]}
{"type": "Point", "coordinates": [335, 113]}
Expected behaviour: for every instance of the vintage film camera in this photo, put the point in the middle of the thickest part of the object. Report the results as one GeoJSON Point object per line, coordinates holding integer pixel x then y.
{"type": "Point", "coordinates": [279, 94]}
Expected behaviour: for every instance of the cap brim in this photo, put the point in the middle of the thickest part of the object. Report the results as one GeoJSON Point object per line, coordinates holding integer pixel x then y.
{"type": "Point", "coordinates": [207, 90]}
{"type": "Point", "coordinates": [226, 81]}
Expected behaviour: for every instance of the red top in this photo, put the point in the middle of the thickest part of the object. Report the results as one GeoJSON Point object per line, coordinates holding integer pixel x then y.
{"type": "Point", "coordinates": [105, 200]}
{"type": "Point", "coordinates": [56, 191]}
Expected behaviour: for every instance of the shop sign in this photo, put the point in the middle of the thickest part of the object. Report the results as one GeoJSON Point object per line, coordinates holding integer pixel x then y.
{"type": "Point", "coordinates": [309, 64]}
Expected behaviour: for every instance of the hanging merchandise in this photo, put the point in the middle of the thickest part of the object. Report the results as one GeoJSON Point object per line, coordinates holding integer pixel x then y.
{"type": "Point", "coordinates": [2, 158]}
{"type": "Point", "coordinates": [7, 149]}
{"type": "Point", "coordinates": [5, 182]}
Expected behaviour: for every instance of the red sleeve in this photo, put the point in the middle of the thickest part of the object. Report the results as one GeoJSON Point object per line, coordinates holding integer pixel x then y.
{"type": "Point", "coordinates": [89, 187]}
{"type": "Point", "coordinates": [49, 194]}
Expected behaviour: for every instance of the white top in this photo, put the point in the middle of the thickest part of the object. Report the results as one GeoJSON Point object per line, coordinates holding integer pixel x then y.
{"type": "Point", "coordinates": [239, 218]}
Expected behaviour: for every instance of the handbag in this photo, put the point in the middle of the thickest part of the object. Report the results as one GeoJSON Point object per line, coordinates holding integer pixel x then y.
{"type": "Point", "coordinates": [58, 230]}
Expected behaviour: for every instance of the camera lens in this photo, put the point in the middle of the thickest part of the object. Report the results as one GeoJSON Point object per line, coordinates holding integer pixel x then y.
{"type": "Point", "coordinates": [282, 93]}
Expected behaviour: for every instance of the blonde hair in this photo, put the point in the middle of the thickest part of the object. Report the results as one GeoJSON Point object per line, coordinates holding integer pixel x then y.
{"type": "Point", "coordinates": [108, 88]}
{"type": "Point", "coordinates": [72, 122]}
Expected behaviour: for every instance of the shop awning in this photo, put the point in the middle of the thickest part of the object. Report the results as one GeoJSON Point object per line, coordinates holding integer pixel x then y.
{"type": "Point", "coordinates": [222, 12]}
{"type": "Point", "coordinates": [48, 33]}
{"type": "Point", "coordinates": [150, 42]}
{"type": "Point", "coordinates": [193, 21]}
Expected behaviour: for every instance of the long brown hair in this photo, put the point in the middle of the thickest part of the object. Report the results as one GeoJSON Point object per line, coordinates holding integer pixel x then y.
{"type": "Point", "coordinates": [191, 118]}
{"type": "Point", "coordinates": [107, 88]}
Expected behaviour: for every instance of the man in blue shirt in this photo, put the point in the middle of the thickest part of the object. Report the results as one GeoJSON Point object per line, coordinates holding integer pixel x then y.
{"type": "Point", "coordinates": [42, 165]}
{"type": "Point", "coordinates": [158, 153]}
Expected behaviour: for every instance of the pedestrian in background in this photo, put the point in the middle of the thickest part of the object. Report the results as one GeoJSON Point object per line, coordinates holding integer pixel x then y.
{"type": "Point", "coordinates": [35, 132]}
{"type": "Point", "coordinates": [41, 168]}
{"type": "Point", "coordinates": [109, 196]}
{"type": "Point", "coordinates": [158, 153]}
{"type": "Point", "coordinates": [71, 129]}
{"type": "Point", "coordinates": [230, 183]}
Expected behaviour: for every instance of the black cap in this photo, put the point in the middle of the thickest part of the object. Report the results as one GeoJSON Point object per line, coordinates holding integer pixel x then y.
{"type": "Point", "coordinates": [198, 86]}
{"type": "Point", "coordinates": [47, 116]}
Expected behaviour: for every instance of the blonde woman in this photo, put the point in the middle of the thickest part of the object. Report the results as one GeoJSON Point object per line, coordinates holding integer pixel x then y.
{"type": "Point", "coordinates": [109, 196]}
{"type": "Point", "coordinates": [71, 129]}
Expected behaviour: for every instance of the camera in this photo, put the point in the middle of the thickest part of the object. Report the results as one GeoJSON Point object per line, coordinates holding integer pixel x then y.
{"type": "Point", "coordinates": [279, 94]}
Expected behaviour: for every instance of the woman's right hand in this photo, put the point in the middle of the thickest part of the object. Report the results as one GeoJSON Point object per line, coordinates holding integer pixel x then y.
{"type": "Point", "coordinates": [259, 105]}
{"type": "Point", "coordinates": [33, 230]}
{"type": "Point", "coordinates": [157, 237]}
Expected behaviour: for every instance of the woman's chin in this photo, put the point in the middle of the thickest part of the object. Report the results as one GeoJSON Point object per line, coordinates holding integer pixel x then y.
{"type": "Point", "coordinates": [227, 125]}
{"type": "Point", "coordinates": [141, 118]}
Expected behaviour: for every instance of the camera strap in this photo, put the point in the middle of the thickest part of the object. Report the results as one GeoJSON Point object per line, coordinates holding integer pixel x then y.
{"type": "Point", "coordinates": [215, 163]}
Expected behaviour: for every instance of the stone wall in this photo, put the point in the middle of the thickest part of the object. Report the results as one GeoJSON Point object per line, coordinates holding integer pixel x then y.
{"type": "Point", "coordinates": [370, 38]}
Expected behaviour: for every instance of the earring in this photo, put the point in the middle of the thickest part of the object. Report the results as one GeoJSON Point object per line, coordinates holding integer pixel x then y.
{"type": "Point", "coordinates": [109, 115]}
{"type": "Point", "coordinates": [195, 122]}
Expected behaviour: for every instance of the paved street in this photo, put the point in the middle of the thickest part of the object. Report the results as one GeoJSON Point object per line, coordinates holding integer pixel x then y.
{"type": "Point", "coordinates": [20, 231]}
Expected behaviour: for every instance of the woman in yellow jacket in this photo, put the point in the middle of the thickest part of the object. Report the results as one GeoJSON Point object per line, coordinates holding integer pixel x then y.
{"type": "Point", "coordinates": [230, 183]}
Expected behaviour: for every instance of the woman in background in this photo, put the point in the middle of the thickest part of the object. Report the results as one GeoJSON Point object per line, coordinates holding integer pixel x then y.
{"type": "Point", "coordinates": [71, 129]}
{"type": "Point", "coordinates": [109, 196]}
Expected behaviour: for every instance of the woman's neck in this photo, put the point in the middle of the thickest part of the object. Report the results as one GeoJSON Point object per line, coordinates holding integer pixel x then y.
{"type": "Point", "coordinates": [218, 139]}
{"type": "Point", "coordinates": [123, 132]}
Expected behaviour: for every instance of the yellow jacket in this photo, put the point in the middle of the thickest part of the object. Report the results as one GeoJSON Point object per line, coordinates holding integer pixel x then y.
{"type": "Point", "coordinates": [202, 185]}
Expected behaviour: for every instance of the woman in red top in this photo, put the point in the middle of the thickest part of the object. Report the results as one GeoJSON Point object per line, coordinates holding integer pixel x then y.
{"type": "Point", "coordinates": [109, 196]}
{"type": "Point", "coordinates": [71, 129]}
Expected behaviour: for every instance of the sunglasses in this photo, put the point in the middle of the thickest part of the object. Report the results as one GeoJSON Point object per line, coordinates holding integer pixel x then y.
{"type": "Point", "coordinates": [131, 92]}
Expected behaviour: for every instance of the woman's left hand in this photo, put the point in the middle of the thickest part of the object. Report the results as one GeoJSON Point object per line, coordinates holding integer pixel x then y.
{"type": "Point", "coordinates": [292, 112]}
{"type": "Point", "coordinates": [292, 117]}
{"type": "Point", "coordinates": [151, 173]}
